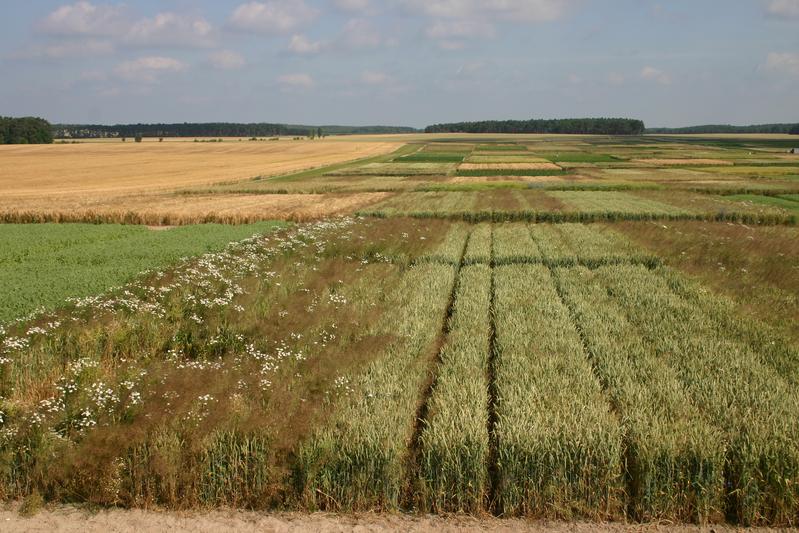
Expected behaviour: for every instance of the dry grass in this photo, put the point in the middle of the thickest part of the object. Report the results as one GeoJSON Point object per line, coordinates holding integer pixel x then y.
{"type": "Point", "coordinates": [121, 168]}
{"type": "Point", "coordinates": [171, 209]}
{"type": "Point", "coordinates": [508, 166]}
{"type": "Point", "coordinates": [755, 266]}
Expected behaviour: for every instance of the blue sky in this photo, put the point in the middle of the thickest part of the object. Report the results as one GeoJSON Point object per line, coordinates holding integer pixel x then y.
{"type": "Point", "coordinates": [400, 62]}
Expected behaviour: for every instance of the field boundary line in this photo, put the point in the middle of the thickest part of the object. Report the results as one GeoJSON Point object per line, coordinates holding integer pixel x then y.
{"type": "Point", "coordinates": [492, 505]}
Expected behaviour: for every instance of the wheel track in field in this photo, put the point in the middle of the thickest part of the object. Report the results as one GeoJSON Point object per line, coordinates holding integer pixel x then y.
{"type": "Point", "coordinates": [493, 505]}
{"type": "Point", "coordinates": [413, 467]}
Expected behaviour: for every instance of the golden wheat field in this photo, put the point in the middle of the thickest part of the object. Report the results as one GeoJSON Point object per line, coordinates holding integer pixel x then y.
{"type": "Point", "coordinates": [106, 168]}
{"type": "Point", "coordinates": [135, 182]}
{"type": "Point", "coordinates": [168, 209]}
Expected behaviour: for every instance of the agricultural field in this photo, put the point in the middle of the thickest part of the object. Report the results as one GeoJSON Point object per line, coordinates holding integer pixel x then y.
{"type": "Point", "coordinates": [524, 327]}
{"type": "Point", "coordinates": [136, 182]}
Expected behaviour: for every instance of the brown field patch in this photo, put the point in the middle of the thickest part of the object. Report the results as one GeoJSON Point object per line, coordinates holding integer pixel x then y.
{"type": "Point", "coordinates": [175, 209]}
{"type": "Point", "coordinates": [508, 166]}
{"type": "Point", "coordinates": [122, 168]}
{"type": "Point", "coordinates": [654, 161]}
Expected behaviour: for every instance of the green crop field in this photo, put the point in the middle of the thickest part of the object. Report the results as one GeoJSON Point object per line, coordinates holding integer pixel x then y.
{"type": "Point", "coordinates": [43, 264]}
{"type": "Point", "coordinates": [610, 343]}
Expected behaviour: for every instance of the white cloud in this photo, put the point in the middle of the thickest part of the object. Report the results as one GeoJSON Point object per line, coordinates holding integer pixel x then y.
{"type": "Point", "coordinates": [146, 69]}
{"type": "Point", "coordinates": [650, 73]}
{"type": "Point", "coordinates": [352, 5]}
{"type": "Point", "coordinates": [615, 78]}
{"type": "Point", "coordinates": [226, 60]}
{"type": "Point", "coordinates": [67, 49]}
{"type": "Point", "coordinates": [296, 81]}
{"type": "Point", "coordinates": [86, 19]}
{"type": "Point", "coordinates": [300, 44]}
{"type": "Point", "coordinates": [272, 16]}
{"type": "Point", "coordinates": [785, 62]}
{"type": "Point", "coordinates": [783, 8]}
{"type": "Point", "coordinates": [514, 10]}
{"type": "Point", "coordinates": [360, 33]}
{"type": "Point", "coordinates": [375, 78]}
{"type": "Point", "coordinates": [172, 29]}
{"type": "Point", "coordinates": [460, 29]}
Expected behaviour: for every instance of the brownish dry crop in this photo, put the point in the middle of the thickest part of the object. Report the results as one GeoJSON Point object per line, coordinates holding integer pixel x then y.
{"type": "Point", "coordinates": [180, 209]}
{"type": "Point", "coordinates": [103, 168]}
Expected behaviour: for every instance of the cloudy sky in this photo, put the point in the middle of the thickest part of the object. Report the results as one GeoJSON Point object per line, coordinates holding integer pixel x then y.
{"type": "Point", "coordinates": [400, 62]}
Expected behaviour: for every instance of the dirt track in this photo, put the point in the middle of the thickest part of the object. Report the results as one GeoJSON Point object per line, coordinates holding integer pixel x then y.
{"type": "Point", "coordinates": [69, 519]}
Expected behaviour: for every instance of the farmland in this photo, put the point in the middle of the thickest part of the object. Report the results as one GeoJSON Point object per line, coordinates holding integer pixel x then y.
{"type": "Point", "coordinates": [572, 328]}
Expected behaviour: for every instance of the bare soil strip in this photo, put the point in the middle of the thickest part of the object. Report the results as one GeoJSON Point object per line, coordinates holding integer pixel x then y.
{"type": "Point", "coordinates": [65, 519]}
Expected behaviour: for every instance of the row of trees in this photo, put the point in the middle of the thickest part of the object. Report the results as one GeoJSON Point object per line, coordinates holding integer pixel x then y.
{"type": "Point", "coordinates": [726, 128]}
{"type": "Point", "coordinates": [596, 126]}
{"type": "Point", "coordinates": [25, 130]}
{"type": "Point", "coordinates": [212, 129]}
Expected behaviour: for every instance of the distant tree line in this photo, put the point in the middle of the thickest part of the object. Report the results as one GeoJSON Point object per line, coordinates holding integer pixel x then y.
{"type": "Point", "coordinates": [25, 130]}
{"type": "Point", "coordinates": [599, 126]}
{"type": "Point", "coordinates": [212, 129]}
{"type": "Point", "coordinates": [726, 128]}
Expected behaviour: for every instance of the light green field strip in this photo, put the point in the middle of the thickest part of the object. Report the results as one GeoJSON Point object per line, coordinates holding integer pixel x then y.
{"type": "Point", "coordinates": [675, 456]}
{"type": "Point", "coordinates": [513, 244]}
{"type": "Point", "coordinates": [450, 250]}
{"type": "Point", "coordinates": [479, 248]}
{"type": "Point", "coordinates": [775, 351]}
{"type": "Point", "coordinates": [577, 244]}
{"type": "Point", "coordinates": [755, 406]}
{"type": "Point", "coordinates": [454, 441]}
{"type": "Point", "coordinates": [531, 158]}
{"type": "Point", "coordinates": [41, 265]}
{"type": "Point", "coordinates": [614, 201]}
{"type": "Point", "coordinates": [559, 444]}
{"type": "Point", "coordinates": [783, 202]}
{"type": "Point", "coordinates": [397, 169]}
{"type": "Point", "coordinates": [357, 460]}
{"type": "Point", "coordinates": [425, 203]}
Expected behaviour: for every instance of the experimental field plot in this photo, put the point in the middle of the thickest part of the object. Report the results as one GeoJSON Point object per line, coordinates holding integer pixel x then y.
{"type": "Point", "coordinates": [520, 369]}
{"type": "Point", "coordinates": [595, 328]}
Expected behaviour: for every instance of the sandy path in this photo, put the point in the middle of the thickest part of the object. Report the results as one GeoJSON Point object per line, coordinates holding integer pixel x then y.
{"type": "Point", "coordinates": [69, 519]}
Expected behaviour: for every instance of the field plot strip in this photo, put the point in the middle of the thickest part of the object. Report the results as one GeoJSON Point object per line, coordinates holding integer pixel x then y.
{"type": "Point", "coordinates": [512, 243]}
{"type": "Point", "coordinates": [454, 442]}
{"type": "Point", "coordinates": [674, 455]}
{"type": "Point", "coordinates": [559, 443]}
{"type": "Point", "coordinates": [360, 459]}
{"type": "Point", "coordinates": [756, 407]}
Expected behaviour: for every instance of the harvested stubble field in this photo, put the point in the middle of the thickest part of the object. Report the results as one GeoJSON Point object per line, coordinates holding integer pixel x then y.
{"type": "Point", "coordinates": [451, 351]}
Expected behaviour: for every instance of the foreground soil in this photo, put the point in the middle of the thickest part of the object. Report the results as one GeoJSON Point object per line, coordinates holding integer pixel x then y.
{"type": "Point", "coordinates": [72, 519]}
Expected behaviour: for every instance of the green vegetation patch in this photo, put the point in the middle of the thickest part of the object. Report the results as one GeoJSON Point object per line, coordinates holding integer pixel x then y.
{"type": "Point", "coordinates": [41, 265]}
{"type": "Point", "coordinates": [432, 157]}
{"type": "Point", "coordinates": [579, 157]}
{"type": "Point", "coordinates": [501, 148]}
{"type": "Point", "coordinates": [397, 169]}
{"type": "Point", "coordinates": [790, 202]}
{"type": "Point", "coordinates": [511, 172]}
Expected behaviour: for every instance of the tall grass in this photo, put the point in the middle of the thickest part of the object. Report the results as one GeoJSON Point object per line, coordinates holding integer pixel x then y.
{"type": "Point", "coordinates": [454, 439]}
{"type": "Point", "coordinates": [559, 444]}
{"type": "Point", "coordinates": [513, 244]}
{"type": "Point", "coordinates": [357, 460]}
{"type": "Point", "coordinates": [480, 244]}
{"type": "Point", "coordinates": [674, 455]}
{"type": "Point", "coordinates": [732, 385]}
